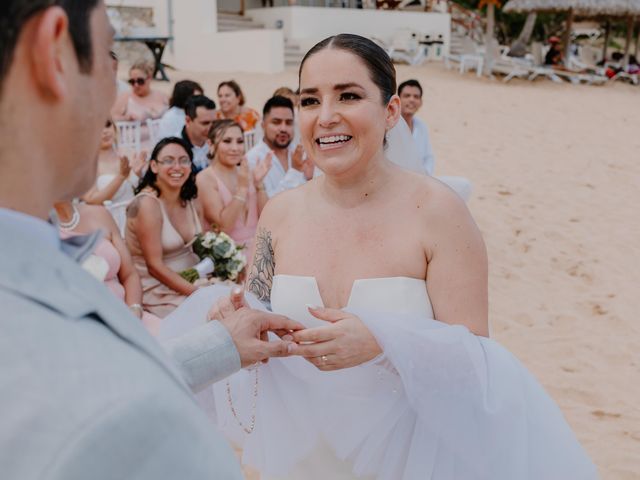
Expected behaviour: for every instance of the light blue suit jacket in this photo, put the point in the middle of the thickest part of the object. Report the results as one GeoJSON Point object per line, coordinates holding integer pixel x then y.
{"type": "Point", "coordinates": [85, 392]}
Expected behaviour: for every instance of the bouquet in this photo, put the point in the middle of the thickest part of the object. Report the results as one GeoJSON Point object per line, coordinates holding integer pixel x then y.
{"type": "Point", "coordinates": [219, 255]}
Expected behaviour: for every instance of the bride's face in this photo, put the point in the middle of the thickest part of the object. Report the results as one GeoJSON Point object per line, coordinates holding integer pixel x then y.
{"type": "Point", "coordinates": [343, 119]}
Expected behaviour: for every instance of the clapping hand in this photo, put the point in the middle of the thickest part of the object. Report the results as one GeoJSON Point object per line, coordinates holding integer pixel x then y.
{"type": "Point", "coordinates": [262, 168]}
{"type": "Point", "coordinates": [344, 342]}
{"type": "Point", "coordinates": [139, 162]}
{"type": "Point", "coordinates": [302, 163]}
{"type": "Point", "coordinates": [125, 167]}
{"type": "Point", "coordinates": [243, 174]}
{"type": "Point", "coordinates": [248, 329]}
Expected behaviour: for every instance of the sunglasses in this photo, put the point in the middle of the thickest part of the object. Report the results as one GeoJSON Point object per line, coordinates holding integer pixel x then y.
{"type": "Point", "coordinates": [138, 81]}
{"type": "Point", "coordinates": [109, 124]}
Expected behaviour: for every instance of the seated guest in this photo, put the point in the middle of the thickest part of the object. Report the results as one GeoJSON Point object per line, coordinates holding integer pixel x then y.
{"type": "Point", "coordinates": [293, 96]}
{"type": "Point", "coordinates": [142, 102]}
{"type": "Point", "coordinates": [410, 93]}
{"type": "Point", "coordinates": [232, 106]}
{"type": "Point", "coordinates": [289, 168]}
{"type": "Point", "coordinates": [117, 175]}
{"type": "Point", "coordinates": [200, 114]}
{"type": "Point", "coordinates": [173, 120]}
{"type": "Point", "coordinates": [554, 54]}
{"type": "Point", "coordinates": [162, 222]}
{"type": "Point", "coordinates": [232, 195]}
{"type": "Point", "coordinates": [287, 93]}
{"type": "Point", "coordinates": [115, 267]}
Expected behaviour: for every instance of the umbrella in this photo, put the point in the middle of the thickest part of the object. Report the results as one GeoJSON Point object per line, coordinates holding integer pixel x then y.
{"type": "Point", "coordinates": [583, 8]}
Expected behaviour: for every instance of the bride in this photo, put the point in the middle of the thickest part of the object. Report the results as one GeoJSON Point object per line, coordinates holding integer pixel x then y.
{"type": "Point", "coordinates": [396, 376]}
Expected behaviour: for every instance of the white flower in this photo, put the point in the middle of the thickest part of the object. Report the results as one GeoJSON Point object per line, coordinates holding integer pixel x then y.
{"type": "Point", "coordinates": [96, 266]}
{"type": "Point", "coordinates": [208, 239]}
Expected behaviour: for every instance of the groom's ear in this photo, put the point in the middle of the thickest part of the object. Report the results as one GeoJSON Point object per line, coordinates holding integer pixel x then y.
{"type": "Point", "coordinates": [393, 112]}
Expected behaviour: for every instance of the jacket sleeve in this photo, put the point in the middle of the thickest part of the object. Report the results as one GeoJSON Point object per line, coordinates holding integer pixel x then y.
{"type": "Point", "coordinates": [204, 355]}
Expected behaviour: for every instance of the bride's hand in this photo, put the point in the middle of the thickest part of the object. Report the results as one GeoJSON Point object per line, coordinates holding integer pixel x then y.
{"type": "Point", "coordinates": [343, 343]}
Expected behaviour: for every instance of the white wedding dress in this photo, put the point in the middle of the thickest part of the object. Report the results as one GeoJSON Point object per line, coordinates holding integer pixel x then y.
{"type": "Point", "coordinates": [440, 403]}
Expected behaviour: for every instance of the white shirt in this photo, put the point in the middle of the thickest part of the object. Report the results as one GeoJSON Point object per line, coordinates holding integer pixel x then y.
{"type": "Point", "coordinates": [35, 227]}
{"type": "Point", "coordinates": [277, 180]}
{"type": "Point", "coordinates": [172, 123]}
{"type": "Point", "coordinates": [421, 136]}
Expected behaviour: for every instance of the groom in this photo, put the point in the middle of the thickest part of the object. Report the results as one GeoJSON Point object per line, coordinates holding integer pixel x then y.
{"type": "Point", "coordinates": [84, 391]}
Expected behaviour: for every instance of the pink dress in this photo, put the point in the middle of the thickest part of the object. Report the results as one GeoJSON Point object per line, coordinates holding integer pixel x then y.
{"type": "Point", "coordinates": [158, 298]}
{"type": "Point", "coordinates": [106, 250]}
{"type": "Point", "coordinates": [244, 230]}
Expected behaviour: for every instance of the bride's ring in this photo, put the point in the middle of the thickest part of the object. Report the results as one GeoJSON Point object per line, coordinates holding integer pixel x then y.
{"type": "Point", "coordinates": [324, 359]}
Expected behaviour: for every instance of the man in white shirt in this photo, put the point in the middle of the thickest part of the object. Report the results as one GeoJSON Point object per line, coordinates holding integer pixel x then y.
{"type": "Point", "coordinates": [200, 114]}
{"type": "Point", "coordinates": [410, 93]}
{"type": "Point", "coordinates": [289, 167]}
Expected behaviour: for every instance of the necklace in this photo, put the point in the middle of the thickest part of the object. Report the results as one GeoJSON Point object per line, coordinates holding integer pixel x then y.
{"type": "Point", "coordinates": [73, 223]}
{"type": "Point", "coordinates": [252, 422]}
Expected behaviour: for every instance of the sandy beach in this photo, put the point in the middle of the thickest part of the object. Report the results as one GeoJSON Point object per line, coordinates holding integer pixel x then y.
{"type": "Point", "coordinates": [556, 171]}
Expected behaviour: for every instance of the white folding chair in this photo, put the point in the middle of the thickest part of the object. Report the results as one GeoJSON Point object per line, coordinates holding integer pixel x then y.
{"type": "Point", "coordinates": [129, 135]}
{"type": "Point", "coordinates": [154, 131]}
{"type": "Point", "coordinates": [249, 140]}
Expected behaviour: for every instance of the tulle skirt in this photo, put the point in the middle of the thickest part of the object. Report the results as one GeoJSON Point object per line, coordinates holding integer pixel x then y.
{"type": "Point", "coordinates": [440, 403]}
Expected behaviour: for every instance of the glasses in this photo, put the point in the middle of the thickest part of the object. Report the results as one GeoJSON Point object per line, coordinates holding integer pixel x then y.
{"type": "Point", "coordinates": [171, 162]}
{"type": "Point", "coordinates": [137, 81]}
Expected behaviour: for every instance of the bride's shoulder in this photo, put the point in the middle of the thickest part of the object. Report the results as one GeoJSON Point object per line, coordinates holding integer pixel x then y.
{"type": "Point", "coordinates": [283, 206]}
{"type": "Point", "coordinates": [435, 200]}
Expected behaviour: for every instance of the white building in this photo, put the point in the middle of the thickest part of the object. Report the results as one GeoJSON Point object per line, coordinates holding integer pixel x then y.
{"type": "Point", "coordinates": [204, 39]}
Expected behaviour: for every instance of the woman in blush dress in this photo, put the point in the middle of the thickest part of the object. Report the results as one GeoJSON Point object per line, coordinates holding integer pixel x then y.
{"type": "Point", "coordinates": [117, 176]}
{"type": "Point", "coordinates": [162, 223]}
{"type": "Point", "coordinates": [142, 102]}
{"type": "Point", "coordinates": [396, 377]}
{"type": "Point", "coordinates": [232, 195]}
{"type": "Point", "coordinates": [112, 259]}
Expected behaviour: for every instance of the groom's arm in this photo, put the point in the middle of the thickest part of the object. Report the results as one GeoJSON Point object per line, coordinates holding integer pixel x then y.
{"type": "Point", "coordinates": [204, 355]}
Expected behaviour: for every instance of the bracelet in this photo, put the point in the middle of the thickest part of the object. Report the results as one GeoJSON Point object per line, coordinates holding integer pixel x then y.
{"type": "Point", "coordinates": [137, 309]}
{"type": "Point", "coordinates": [240, 198]}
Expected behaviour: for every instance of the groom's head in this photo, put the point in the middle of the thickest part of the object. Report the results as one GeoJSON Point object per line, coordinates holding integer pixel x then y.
{"type": "Point", "coordinates": [57, 83]}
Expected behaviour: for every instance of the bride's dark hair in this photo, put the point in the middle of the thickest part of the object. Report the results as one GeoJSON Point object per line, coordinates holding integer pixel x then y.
{"type": "Point", "coordinates": [378, 63]}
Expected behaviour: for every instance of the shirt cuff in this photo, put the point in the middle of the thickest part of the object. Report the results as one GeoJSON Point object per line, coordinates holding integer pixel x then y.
{"type": "Point", "coordinates": [204, 355]}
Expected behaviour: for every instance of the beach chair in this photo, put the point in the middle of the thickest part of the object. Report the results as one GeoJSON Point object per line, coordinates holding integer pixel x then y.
{"type": "Point", "coordinates": [469, 58]}
{"type": "Point", "coordinates": [154, 130]}
{"type": "Point", "coordinates": [129, 135]}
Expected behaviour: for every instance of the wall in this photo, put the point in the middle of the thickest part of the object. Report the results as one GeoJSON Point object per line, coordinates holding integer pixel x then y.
{"type": "Point", "coordinates": [308, 25]}
{"type": "Point", "coordinates": [198, 46]}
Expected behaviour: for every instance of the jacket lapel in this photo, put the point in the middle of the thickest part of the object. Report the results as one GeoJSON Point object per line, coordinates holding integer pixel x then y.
{"type": "Point", "coordinates": [51, 278]}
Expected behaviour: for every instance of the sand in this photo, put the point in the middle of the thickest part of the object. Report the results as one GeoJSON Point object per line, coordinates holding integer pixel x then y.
{"type": "Point", "coordinates": [556, 175]}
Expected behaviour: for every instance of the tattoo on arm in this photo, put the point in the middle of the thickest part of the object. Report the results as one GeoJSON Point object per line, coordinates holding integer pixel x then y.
{"type": "Point", "coordinates": [261, 275]}
{"type": "Point", "coordinates": [133, 207]}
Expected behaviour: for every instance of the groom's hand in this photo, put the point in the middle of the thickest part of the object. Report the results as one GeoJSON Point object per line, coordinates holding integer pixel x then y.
{"type": "Point", "coordinates": [248, 329]}
{"type": "Point", "coordinates": [247, 326]}
{"type": "Point", "coordinates": [344, 342]}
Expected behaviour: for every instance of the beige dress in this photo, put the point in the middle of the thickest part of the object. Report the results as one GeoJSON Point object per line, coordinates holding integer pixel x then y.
{"type": "Point", "coordinates": [158, 298]}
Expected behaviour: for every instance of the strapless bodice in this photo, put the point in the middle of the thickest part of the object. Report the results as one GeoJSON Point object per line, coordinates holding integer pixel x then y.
{"type": "Point", "coordinates": [290, 295]}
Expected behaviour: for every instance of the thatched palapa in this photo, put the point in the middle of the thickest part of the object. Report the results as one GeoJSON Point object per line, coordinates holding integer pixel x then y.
{"type": "Point", "coordinates": [587, 8]}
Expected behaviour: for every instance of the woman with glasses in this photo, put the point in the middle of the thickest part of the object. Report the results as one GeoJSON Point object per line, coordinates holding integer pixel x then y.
{"type": "Point", "coordinates": [162, 222]}
{"type": "Point", "coordinates": [142, 102]}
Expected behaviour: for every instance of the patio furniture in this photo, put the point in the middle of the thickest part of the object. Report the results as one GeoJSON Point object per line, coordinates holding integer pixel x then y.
{"type": "Point", "coordinates": [129, 134]}
{"type": "Point", "coordinates": [157, 46]}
